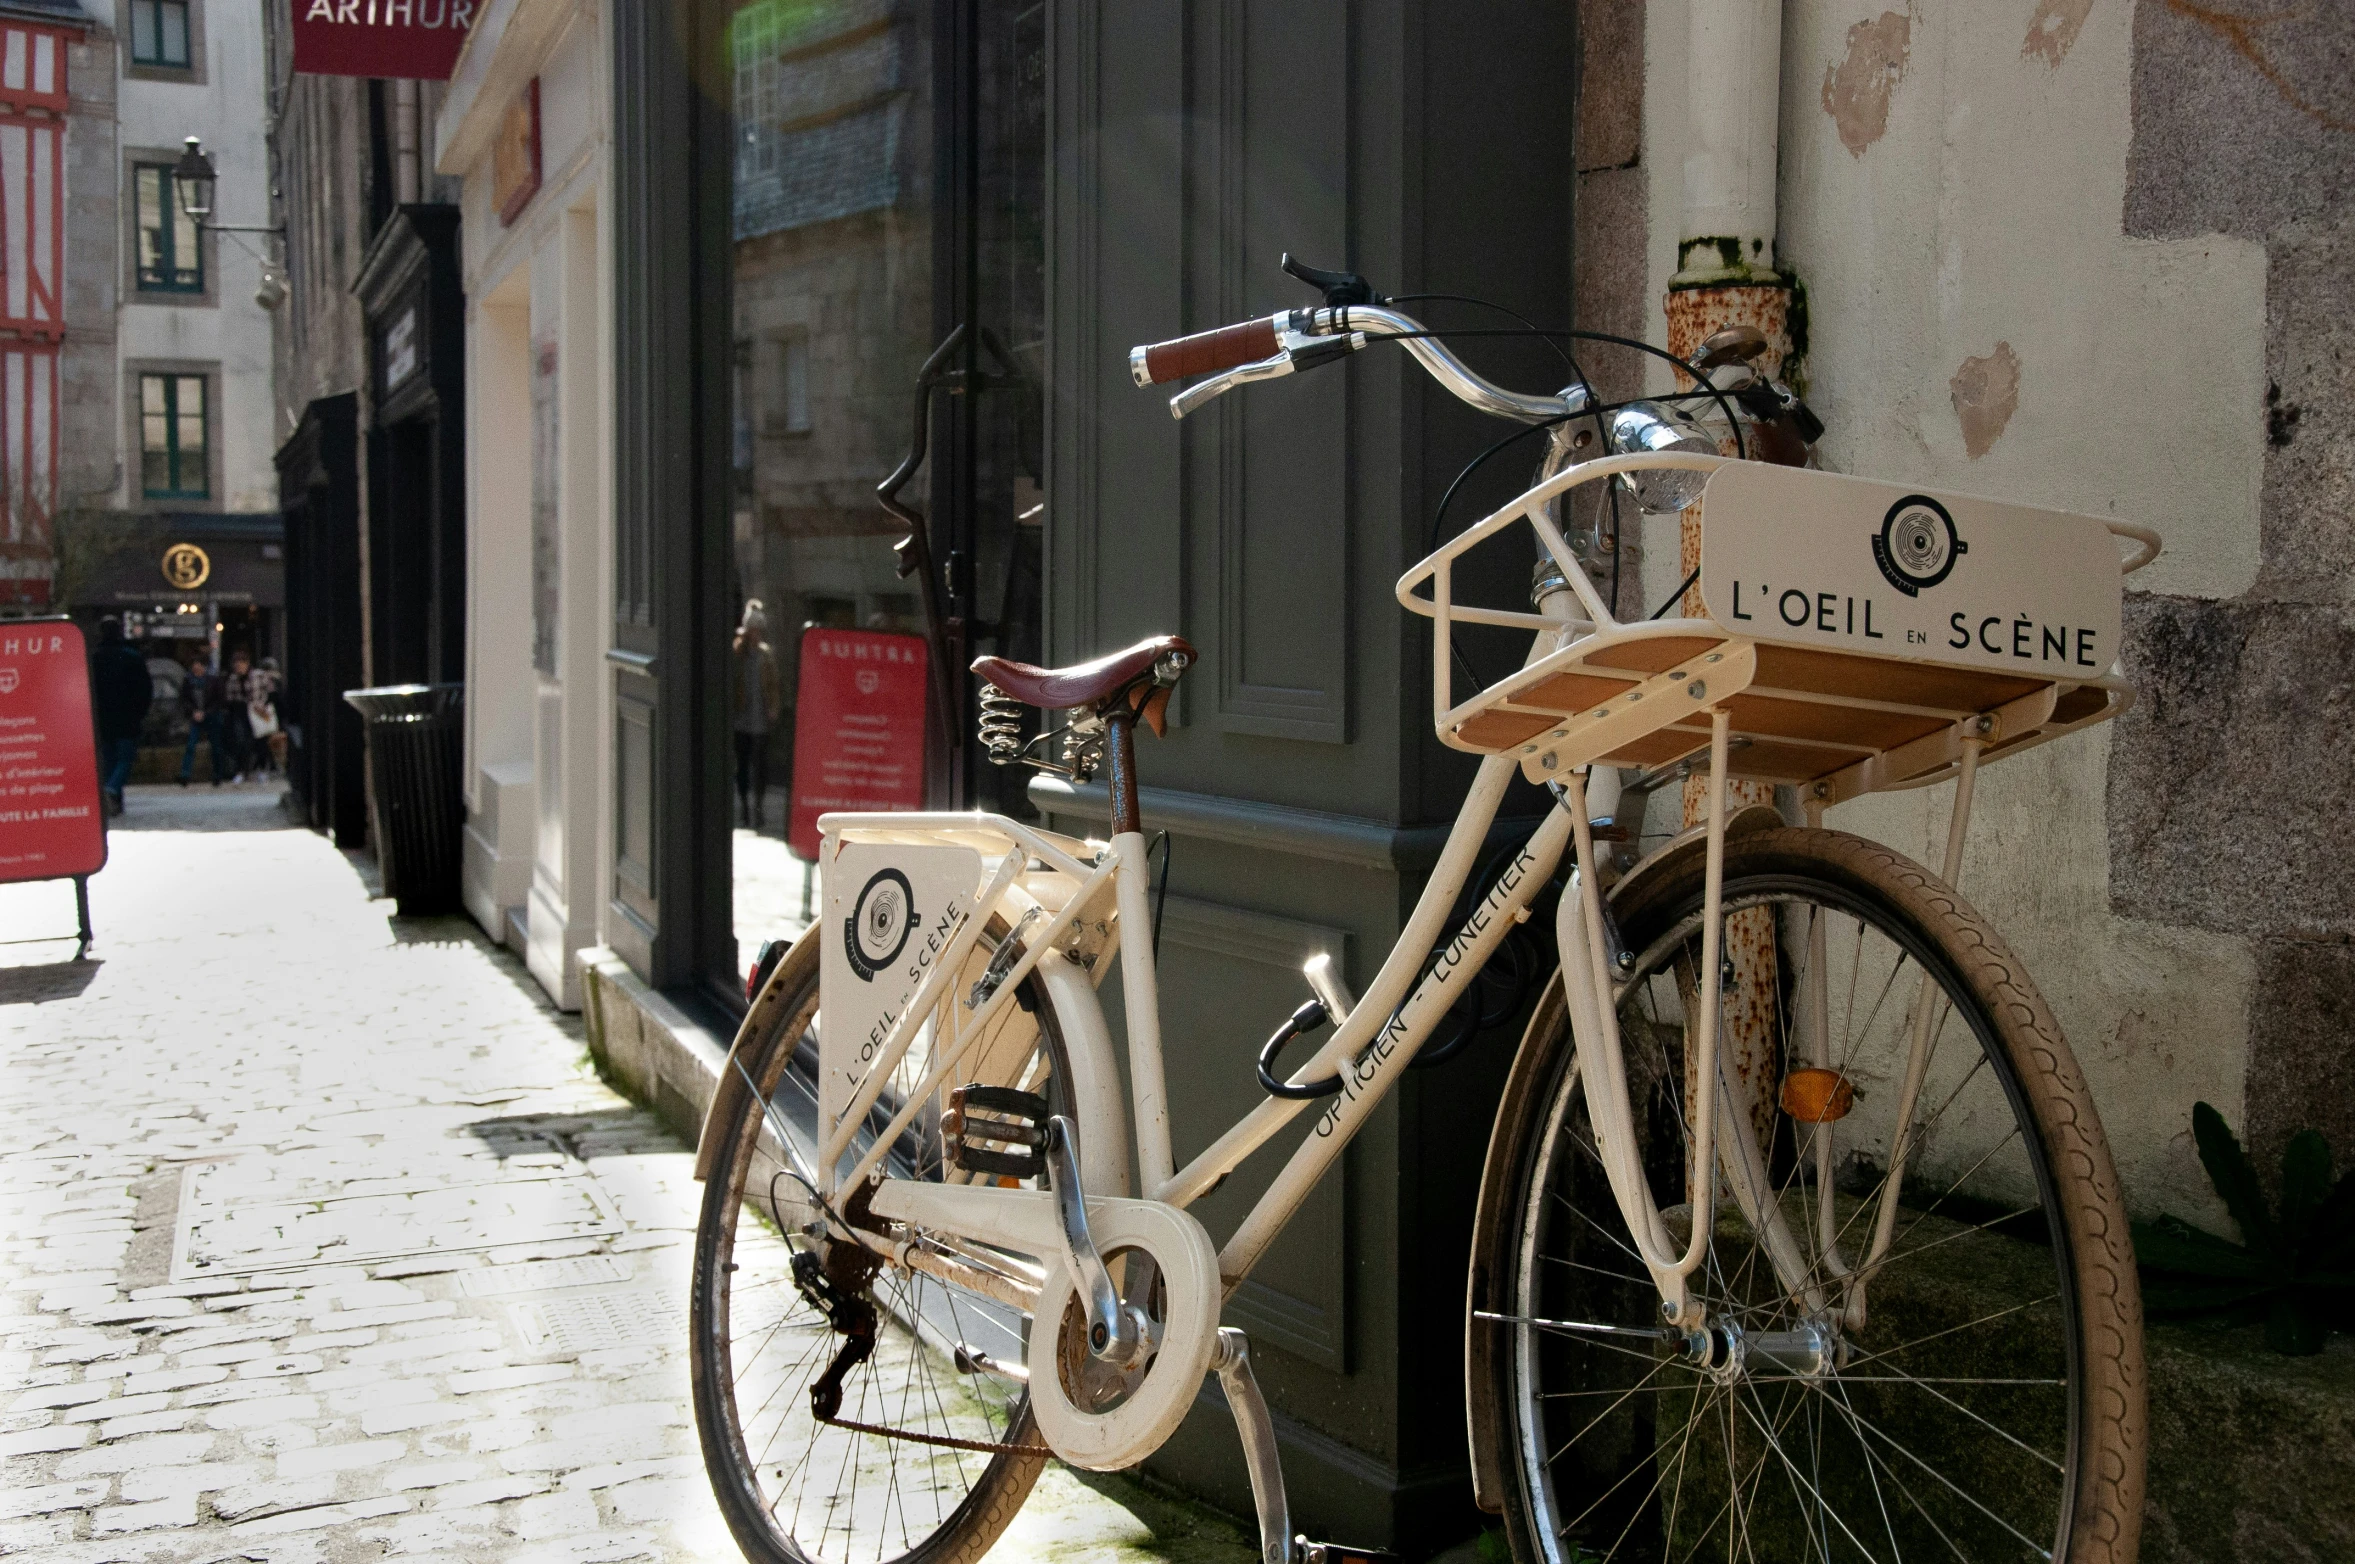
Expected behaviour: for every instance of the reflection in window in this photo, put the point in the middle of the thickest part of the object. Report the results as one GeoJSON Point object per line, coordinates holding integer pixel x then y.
{"type": "Point", "coordinates": [819, 111]}
{"type": "Point", "coordinates": [159, 33]}
{"type": "Point", "coordinates": [171, 256]}
{"type": "Point", "coordinates": [173, 438]}
{"type": "Point", "coordinates": [834, 312]}
{"type": "Point", "coordinates": [788, 391]}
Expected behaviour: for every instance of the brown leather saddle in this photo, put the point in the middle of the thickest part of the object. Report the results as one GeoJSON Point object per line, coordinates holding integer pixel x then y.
{"type": "Point", "coordinates": [1136, 681]}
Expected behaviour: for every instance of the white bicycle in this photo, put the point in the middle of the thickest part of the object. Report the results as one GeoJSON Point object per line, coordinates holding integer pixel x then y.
{"type": "Point", "coordinates": [1798, 1237]}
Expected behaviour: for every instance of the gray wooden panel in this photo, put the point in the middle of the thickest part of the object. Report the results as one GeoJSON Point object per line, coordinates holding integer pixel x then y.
{"type": "Point", "coordinates": [1228, 977]}
{"type": "Point", "coordinates": [1279, 455]}
{"type": "Point", "coordinates": [1115, 530]}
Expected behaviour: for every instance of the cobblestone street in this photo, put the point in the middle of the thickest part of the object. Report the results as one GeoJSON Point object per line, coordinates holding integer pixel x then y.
{"type": "Point", "coordinates": [319, 1239]}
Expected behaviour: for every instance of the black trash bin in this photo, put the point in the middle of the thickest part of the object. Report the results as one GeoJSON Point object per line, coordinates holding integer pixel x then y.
{"type": "Point", "coordinates": [413, 759]}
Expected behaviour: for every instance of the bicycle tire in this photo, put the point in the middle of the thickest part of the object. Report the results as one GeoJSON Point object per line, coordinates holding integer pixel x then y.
{"type": "Point", "coordinates": [2095, 1330]}
{"type": "Point", "coordinates": [1000, 1483]}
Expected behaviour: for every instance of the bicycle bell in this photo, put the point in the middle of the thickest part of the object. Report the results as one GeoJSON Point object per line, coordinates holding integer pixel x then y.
{"type": "Point", "coordinates": [1655, 427]}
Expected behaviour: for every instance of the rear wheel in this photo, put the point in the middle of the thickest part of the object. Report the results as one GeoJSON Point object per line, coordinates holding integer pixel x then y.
{"type": "Point", "coordinates": [1970, 1389]}
{"type": "Point", "coordinates": [942, 1483]}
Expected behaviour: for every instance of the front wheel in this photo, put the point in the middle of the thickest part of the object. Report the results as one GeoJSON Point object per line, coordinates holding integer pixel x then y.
{"type": "Point", "coordinates": [1949, 1370]}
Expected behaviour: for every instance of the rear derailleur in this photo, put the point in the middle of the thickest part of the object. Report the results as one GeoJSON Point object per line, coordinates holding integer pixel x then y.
{"type": "Point", "coordinates": [836, 1286]}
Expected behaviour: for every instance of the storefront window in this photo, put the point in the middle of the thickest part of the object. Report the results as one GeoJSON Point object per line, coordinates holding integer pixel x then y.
{"type": "Point", "coordinates": [848, 271]}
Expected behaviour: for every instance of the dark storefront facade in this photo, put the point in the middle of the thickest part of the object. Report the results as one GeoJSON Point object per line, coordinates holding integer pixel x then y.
{"type": "Point", "coordinates": [179, 581]}
{"type": "Point", "coordinates": [319, 487]}
{"type": "Point", "coordinates": [1040, 186]}
{"type": "Point", "coordinates": [415, 433]}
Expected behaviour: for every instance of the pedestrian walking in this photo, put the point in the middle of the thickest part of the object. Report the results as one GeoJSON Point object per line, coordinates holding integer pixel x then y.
{"type": "Point", "coordinates": [200, 703]}
{"type": "Point", "coordinates": [261, 708]}
{"type": "Point", "coordinates": [236, 713]}
{"type": "Point", "coordinates": [756, 695]}
{"type": "Point", "coordinates": [121, 689]}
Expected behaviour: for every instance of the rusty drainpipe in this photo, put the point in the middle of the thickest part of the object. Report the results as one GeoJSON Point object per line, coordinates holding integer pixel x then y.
{"type": "Point", "coordinates": [1726, 276]}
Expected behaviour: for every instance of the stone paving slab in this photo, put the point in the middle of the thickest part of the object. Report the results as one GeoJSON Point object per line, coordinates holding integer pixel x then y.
{"type": "Point", "coordinates": [320, 1240]}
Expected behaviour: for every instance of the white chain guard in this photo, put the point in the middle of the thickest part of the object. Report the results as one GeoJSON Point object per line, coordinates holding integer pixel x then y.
{"type": "Point", "coordinates": [1026, 1220]}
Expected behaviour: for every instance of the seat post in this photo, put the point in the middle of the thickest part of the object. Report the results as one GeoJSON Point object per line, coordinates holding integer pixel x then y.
{"type": "Point", "coordinates": [1122, 768]}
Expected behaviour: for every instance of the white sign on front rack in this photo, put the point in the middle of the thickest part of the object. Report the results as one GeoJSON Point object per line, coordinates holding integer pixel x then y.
{"type": "Point", "coordinates": [1801, 558]}
{"type": "Point", "coordinates": [891, 908]}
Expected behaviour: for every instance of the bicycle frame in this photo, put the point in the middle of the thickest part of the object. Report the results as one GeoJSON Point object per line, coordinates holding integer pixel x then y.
{"type": "Point", "coordinates": [1377, 1037]}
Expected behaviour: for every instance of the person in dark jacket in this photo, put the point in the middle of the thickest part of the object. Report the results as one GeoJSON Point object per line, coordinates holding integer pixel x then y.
{"type": "Point", "coordinates": [200, 703]}
{"type": "Point", "coordinates": [120, 690]}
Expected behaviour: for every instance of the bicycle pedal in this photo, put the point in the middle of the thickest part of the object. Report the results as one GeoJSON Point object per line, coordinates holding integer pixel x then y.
{"type": "Point", "coordinates": [1307, 1552]}
{"type": "Point", "coordinates": [996, 1129]}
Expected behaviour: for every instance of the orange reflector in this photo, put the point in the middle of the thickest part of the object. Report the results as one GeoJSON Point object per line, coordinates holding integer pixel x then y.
{"type": "Point", "coordinates": [1815, 1096]}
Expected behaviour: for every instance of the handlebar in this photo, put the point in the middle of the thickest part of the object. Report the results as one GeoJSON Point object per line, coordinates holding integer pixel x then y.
{"type": "Point", "coordinates": [1206, 352]}
{"type": "Point", "coordinates": [1291, 340]}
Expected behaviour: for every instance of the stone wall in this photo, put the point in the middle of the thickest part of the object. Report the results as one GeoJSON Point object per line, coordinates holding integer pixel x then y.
{"type": "Point", "coordinates": [90, 440]}
{"type": "Point", "coordinates": [2230, 787]}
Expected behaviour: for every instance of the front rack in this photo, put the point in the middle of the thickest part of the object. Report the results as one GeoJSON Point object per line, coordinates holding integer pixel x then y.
{"type": "Point", "coordinates": [1813, 703]}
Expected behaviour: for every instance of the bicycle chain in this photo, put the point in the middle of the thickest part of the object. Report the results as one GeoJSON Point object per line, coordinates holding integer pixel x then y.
{"type": "Point", "coordinates": [946, 1441]}
{"type": "Point", "coordinates": [854, 1317]}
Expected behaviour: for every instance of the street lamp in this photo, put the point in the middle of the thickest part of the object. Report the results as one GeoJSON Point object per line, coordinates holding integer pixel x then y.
{"type": "Point", "coordinates": [194, 177]}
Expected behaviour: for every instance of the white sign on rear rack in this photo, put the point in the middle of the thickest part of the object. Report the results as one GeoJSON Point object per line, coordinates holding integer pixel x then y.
{"type": "Point", "coordinates": [891, 910]}
{"type": "Point", "coordinates": [1801, 558]}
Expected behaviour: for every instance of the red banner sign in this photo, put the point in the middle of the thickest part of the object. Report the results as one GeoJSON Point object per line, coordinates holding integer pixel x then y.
{"type": "Point", "coordinates": [50, 823]}
{"type": "Point", "coordinates": [858, 728]}
{"type": "Point", "coordinates": [400, 40]}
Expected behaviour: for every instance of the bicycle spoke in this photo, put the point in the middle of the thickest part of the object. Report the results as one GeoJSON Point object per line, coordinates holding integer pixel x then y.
{"type": "Point", "coordinates": [1768, 1456]}
{"type": "Point", "coordinates": [1871, 1427]}
{"type": "Point", "coordinates": [1791, 1469]}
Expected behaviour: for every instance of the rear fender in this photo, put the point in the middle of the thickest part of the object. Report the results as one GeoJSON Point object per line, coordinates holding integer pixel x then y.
{"type": "Point", "coordinates": [796, 967]}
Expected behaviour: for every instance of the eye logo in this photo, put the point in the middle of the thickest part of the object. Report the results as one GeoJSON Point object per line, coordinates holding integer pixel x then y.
{"type": "Point", "coordinates": [7, 681]}
{"type": "Point", "coordinates": [879, 923]}
{"type": "Point", "coordinates": [868, 681]}
{"type": "Point", "coordinates": [1917, 545]}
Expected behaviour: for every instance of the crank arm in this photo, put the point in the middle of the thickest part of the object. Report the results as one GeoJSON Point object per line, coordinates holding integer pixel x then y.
{"type": "Point", "coordinates": [1113, 1333]}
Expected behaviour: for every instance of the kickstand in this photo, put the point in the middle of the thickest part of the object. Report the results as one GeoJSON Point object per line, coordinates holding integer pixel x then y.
{"type": "Point", "coordinates": [1233, 1362]}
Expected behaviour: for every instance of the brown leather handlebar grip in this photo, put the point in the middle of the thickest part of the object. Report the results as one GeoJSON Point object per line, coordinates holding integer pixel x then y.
{"type": "Point", "coordinates": [1205, 352]}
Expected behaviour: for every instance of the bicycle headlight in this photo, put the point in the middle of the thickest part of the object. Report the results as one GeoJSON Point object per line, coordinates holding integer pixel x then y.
{"type": "Point", "coordinates": [1656, 426]}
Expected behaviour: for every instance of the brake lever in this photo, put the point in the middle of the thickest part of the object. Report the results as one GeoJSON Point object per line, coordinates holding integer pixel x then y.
{"type": "Point", "coordinates": [1301, 353]}
{"type": "Point", "coordinates": [1339, 288]}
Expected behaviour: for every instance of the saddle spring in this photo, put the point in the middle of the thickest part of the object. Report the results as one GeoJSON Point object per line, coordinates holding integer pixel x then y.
{"type": "Point", "coordinates": [1000, 722]}
{"type": "Point", "coordinates": [1001, 725]}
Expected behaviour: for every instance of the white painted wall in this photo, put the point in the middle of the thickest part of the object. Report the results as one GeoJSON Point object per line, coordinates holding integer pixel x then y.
{"type": "Point", "coordinates": [1988, 212]}
{"type": "Point", "coordinates": [535, 286]}
{"type": "Point", "coordinates": [228, 110]}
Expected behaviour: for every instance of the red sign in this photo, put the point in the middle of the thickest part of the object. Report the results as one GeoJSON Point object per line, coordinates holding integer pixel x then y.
{"type": "Point", "coordinates": [858, 728]}
{"type": "Point", "coordinates": [400, 40]}
{"type": "Point", "coordinates": [50, 823]}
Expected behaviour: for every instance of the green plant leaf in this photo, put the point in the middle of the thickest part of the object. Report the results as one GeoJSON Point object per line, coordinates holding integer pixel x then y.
{"type": "Point", "coordinates": [2235, 1179]}
{"type": "Point", "coordinates": [2172, 1244]}
{"type": "Point", "coordinates": [2332, 1232]}
{"type": "Point", "coordinates": [2305, 1184]}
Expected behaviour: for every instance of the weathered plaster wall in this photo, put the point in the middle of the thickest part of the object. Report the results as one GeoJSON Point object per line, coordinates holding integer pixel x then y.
{"type": "Point", "coordinates": [228, 110]}
{"type": "Point", "coordinates": [1986, 311]}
